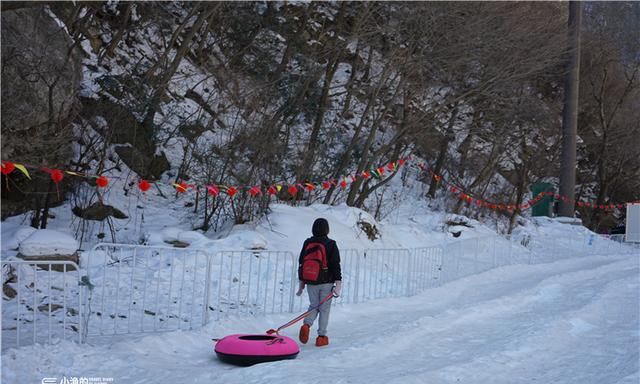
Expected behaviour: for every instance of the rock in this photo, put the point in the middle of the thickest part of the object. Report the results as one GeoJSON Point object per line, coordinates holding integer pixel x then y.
{"type": "Point", "coordinates": [49, 242]}
{"type": "Point", "coordinates": [54, 267]}
{"type": "Point", "coordinates": [98, 211]}
{"type": "Point", "coordinates": [36, 52]}
{"type": "Point", "coordinates": [138, 151]}
{"type": "Point", "coordinates": [45, 307]}
{"type": "Point", "coordinates": [146, 167]}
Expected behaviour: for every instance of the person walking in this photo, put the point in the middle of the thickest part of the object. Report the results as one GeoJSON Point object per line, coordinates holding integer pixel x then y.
{"type": "Point", "coordinates": [319, 270]}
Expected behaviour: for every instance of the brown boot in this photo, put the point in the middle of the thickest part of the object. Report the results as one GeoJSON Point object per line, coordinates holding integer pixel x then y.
{"type": "Point", "coordinates": [321, 341]}
{"type": "Point", "coordinates": [304, 333]}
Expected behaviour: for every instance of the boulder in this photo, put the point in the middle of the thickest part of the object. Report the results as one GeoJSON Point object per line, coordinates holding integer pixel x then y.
{"type": "Point", "coordinates": [98, 211]}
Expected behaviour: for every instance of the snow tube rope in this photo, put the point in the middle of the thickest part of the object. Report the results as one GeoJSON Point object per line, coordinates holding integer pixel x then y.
{"type": "Point", "coordinates": [302, 316]}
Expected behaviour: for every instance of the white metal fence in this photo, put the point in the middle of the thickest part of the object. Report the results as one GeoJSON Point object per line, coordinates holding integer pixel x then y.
{"type": "Point", "coordinates": [137, 289]}
{"type": "Point", "coordinates": [251, 282]}
{"type": "Point", "coordinates": [42, 302]}
{"type": "Point", "coordinates": [125, 289]}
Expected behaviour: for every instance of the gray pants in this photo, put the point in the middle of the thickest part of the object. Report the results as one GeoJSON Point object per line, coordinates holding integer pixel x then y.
{"type": "Point", "coordinates": [316, 294]}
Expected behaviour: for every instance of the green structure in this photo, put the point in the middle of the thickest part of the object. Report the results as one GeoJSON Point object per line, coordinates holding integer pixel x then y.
{"type": "Point", "coordinates": [544, 207]}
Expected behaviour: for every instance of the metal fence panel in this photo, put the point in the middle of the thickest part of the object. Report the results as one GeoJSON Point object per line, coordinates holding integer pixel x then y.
{"type": "Point", "coordinates": [252, 282]}
{"type": "Point", "coordinates": [42, 302]}
{"type": "Point", "coordinates": [138, 289]}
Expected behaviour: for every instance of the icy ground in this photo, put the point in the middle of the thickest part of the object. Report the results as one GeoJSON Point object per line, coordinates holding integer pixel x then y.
{"type": "Point", "coordinates": [572, 321]}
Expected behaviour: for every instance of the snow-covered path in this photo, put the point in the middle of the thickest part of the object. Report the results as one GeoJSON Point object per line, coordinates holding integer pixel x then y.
{"type": "Point", "coordinates": [573, 321]}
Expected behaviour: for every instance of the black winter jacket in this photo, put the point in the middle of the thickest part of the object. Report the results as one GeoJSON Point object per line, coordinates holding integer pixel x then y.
{"type": "Point", "coordinates": [333, 258]}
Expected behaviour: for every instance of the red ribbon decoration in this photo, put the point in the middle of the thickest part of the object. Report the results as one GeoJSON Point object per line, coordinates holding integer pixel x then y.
{"type": "Point", "coordinates": [102, 182]}
{"type": "Point", "coordinates": [144, 186]}
{"type": "Point", "coordinates": [231, 191]}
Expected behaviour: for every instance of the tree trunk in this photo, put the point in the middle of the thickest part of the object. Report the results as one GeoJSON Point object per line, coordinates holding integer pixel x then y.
{"type": "Point", "coordinates": [309, 153]}
{"type": "Point", "coordinates": [444, 148]}
{"type": "Point", "coordinates": [123, 27]}
{"type": "Point", "coordinates": [154, 103]}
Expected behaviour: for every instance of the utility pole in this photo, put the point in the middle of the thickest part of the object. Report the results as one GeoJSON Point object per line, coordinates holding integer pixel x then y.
{"type": "Point", "coordinates": [570, 113]}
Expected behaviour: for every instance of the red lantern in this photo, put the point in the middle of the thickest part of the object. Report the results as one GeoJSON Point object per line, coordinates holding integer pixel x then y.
{"type": "Point", "coordinates": [580, 203]}
{"type": "Point", "coordinates": [7, 167]}
{"type": "Point", "coordinates": [381, 171]}
{"type": "Point", "coordinates": [391, 166]}
{"type": "Point", "coordinates": [366, 174]}
{"type": "Point", "coordinates": [144, 185]}
{"type": "Point", "coordinates": [401, 162]}
{"type": "Point", "coordinates": [325, 185]}
{"type": "Point", "coordinates": [57, 175]}
{"type": "Point", "coordinates": [102, 182]}
{"type": "Point", "coordinates": [231, 191]}
{"type": "Point", "coordinates": [479, 202]}
{"type": "Point", "coordinates": [255, 191]}
{"type": "Point", "coordinates": [293, 191]}
{"type": "Point", "coordinates": [558, 197]}
{"type": "Point", "coordinates": [343, 184]}
{"type": "Point", "coordinates": [454, 189]}
{"type": "Point", "coordinates": [213, 190]}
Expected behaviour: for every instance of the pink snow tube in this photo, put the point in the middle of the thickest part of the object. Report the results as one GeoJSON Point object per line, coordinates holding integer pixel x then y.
{"type": "Point", "coordinates": [242, 349]}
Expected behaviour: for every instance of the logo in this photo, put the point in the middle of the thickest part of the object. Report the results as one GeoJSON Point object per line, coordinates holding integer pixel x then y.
{"type": "Point", "coordinates": [77, 380]}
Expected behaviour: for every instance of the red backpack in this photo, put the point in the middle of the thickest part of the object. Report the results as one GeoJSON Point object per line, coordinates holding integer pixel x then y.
{"type": "Point", "coordinates": [313, 266]}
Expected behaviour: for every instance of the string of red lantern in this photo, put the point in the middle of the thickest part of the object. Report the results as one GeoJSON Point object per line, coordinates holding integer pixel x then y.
{"type": "Point", "coordinates": [254, 191]}
{"type": "Point", "coordinates": [510, 207]}
{"type": "Point", "coordinates": [214, 190]}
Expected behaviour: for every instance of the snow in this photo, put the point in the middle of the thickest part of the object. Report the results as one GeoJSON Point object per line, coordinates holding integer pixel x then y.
{"type": "Point", "coordinates": [571, 318]}
{"type": "Point", "coordinates": [571, 321]}
{"type": "Point", "coordinates": [48, 242]}
{"type": "Point", "coordinates": [22, 232]}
